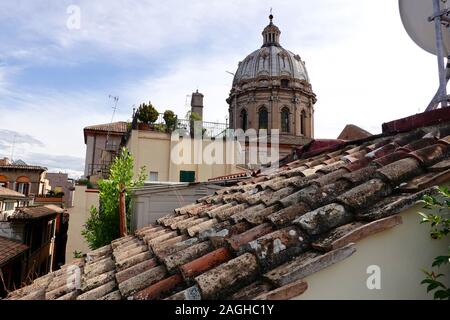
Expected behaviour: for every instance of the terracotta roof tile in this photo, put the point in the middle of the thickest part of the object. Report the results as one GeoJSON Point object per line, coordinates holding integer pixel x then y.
{"type": "Point", "coordinates": [10, 249]}
{"type": "Point", "coordinates": [205, 263]}
{"type": "Point", "coordinates": [118, 127]}
{"type": "Point", "coordinates": [261, 237]}
{"type": "Point", "coordinates": [286, 292]}
{"type": "Point", "coordinates": [228, 277]}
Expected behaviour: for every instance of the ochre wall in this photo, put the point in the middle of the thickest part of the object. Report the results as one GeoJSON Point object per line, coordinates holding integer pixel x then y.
{"type": "Point", "coordinates": [153, 150]}
{"type": "Point", "coordinates": [79, 213]}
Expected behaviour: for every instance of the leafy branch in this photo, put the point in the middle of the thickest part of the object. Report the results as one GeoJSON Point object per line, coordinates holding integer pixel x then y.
{"type": "Point", "coordinates": [440, 228]}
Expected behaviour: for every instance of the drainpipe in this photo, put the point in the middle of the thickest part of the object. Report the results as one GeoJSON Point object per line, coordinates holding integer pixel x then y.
{"type": "Point", "coordinates": [52, 245]}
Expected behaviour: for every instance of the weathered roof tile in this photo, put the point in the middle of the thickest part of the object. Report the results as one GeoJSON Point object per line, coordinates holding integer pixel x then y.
{"type": "Point", "coordinates": [251, 291]}
{"type": "Point", "coordinates": [184, 256]}
{"type": "Point", "coordinates": [142, 280]}
{"type": "Point", "coordinates": [157, 290]}
{"type": "Point", "coordinates": [365, 194]}
{"type": "Point", "coordinates": [278, 246]}
{"type": "Point", "coordinates": [285, 216]}
{"type": "Point", "coordinates": [307, 264]}
{"type": "Point", "coordinates": [324, 218]}
{"type": "Point", "coordinates": [205, 263]}
{"type": "Point", "coordinates": [399, 171]}
{"type": "Point", "coordinates": [286, 292]}
{"type": "Point", "coordinates": [354, 232]}
{"type": "Point", "coordinates": [228, 277]}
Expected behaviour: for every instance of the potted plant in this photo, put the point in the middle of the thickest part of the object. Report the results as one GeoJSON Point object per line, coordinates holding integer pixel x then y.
{"type": "Point", "coordinates": [147, 115]}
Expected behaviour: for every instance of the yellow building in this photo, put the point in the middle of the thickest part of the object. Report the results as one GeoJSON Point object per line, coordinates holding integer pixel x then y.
{"type": "Point", "coordinates": [170, 157]}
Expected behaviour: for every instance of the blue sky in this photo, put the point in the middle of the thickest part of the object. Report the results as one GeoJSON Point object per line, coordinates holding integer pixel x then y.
{"type": "Point", "coordinates": [54, 80]}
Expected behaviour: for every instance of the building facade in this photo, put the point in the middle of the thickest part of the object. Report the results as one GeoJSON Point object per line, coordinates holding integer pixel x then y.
{"type": "Point", "coordinates": [271, 90]}
{"type": "Point", "coordinates": [60, 182]}
{"type": "Point", "coordinates": [102, 144]}
{"type": "Point", "coordinates": [39, 234]}
{"type": "Point", "coordinates": [10, 200]}
{"type": "Point", "coordinates": [23, 178]}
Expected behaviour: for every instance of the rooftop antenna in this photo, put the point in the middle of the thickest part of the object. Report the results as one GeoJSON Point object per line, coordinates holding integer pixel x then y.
{"type": "Point", "coordinates": [427, 22]}
{"type": "Point", "coordinates": [116, 100]}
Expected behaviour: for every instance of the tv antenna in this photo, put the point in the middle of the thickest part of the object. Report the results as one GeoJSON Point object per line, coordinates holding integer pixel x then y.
{"type": "Point", "coordinates": [427, 22]}
{"type": "Point", "coordinates": [116, 100]}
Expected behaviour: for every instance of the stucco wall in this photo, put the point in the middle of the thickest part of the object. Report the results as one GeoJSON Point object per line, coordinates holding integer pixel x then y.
{"type": "Point", "coordinates": [153, 150]}
{"type": "Point", "coordinates": [79, 213]}
{"type": "Point", "coordinates": [400, 253]}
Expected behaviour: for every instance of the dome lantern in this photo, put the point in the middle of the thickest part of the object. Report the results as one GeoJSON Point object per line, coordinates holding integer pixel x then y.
{"type": "Point", "coordinates": [271, 34]}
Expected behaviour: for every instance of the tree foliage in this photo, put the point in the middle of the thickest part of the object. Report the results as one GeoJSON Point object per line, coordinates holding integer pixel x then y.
{"type": "Point", "coordinates": [147, 113]}
{"type": "Point", "coordinates": [170, 119]}
{"type": "Point", "coordinates": [102, 226]}
{"type": "Point", "coordinates": [440, 229]}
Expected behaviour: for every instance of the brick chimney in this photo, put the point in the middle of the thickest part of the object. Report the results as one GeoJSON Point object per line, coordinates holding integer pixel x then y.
{"type": "Point", "coordinates": [197, 103]}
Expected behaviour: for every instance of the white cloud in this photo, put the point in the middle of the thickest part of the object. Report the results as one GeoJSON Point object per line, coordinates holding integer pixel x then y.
{"type": "Point", "coordinates": [363, 67]}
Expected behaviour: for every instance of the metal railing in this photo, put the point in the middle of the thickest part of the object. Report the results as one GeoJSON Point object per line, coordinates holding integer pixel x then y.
{"type": "Point", "coordinates": [185, 126]}
{"type": "Point", "coordinates": [101, 169]}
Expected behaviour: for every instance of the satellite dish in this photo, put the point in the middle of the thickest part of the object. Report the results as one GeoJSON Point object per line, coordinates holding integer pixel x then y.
{"type": "Point", "coordinates": [414, 15]}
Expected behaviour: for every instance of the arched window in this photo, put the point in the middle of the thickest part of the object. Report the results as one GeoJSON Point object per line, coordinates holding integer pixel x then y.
{"type": "Point", "coordinates": [303, 122]}
{"type": "Point", "coordinates": [284, 82]}
{"type": "Point", "coordinates": [285, 120]}
{"type": "Point", "coordinates": [244, 119]}
{"type": "Point", "coordinates": [23, 185]}
{"type": "Point", "coordinates": [263, 118]}
{"type": "Point", "coordinates": [3, 181]}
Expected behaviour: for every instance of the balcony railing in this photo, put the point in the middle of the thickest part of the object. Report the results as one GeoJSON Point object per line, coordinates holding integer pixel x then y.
{"type": "Point", "coordinates": [210, 129]}
{"type": "Point", "coordinates": [101, 169]}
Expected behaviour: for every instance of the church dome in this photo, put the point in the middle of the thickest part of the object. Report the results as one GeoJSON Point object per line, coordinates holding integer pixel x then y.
{"type": "Point", "coordinates": [271, 60]}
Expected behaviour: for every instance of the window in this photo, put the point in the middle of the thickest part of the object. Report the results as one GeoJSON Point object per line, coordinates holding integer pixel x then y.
{"type": "Point", "coordinates": [244, 119]}
{"type": "Point", "coordinates": [4, 184]}
{"type": "Point", "coordinates": [23, 188]}
{"type": "Point", "coordinates": [303, 122]}
{"type": "Point", "coordinates": [285, 120]}
{"type": "Point", "coordinates": [9, 206]}
{"type": "Point", "coordinates": [153, 176]}
{"type": "Point", "coordinates": [284, 83]}
{"type": "Point", "coordinates": [263, 118]}
{"type": "Point", "coordinates": [187, 176]}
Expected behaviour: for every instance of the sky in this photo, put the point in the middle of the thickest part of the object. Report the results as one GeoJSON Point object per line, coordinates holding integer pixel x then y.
{"type": "Point", "coordinates": [60, 61]}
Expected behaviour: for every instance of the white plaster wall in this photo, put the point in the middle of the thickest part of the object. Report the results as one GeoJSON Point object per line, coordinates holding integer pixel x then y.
{"type": "Point", "coordinates": [400, 253]}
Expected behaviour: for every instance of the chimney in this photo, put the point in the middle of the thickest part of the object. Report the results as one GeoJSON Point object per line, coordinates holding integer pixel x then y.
{"type": "Point", "coordinates": [197, 103]}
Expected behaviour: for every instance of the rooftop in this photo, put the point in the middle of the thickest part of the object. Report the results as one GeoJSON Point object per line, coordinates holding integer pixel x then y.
{"type": "Point", "coordinates": [10, 249]}
{"type": "Point", "coordinates": [118, 127]}
{"type": "Point", "coordinates": [28, 213]}
{"type": "Point", "coordinates": [260, 238]}
{"type": "Point", "coordinates": [6, 193]}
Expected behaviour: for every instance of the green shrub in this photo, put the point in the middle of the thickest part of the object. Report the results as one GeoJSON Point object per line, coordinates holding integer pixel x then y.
{"type": "Point", "coordinates": [170, 119]}
{"type": "Point", "coordinates": [147, 113]}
